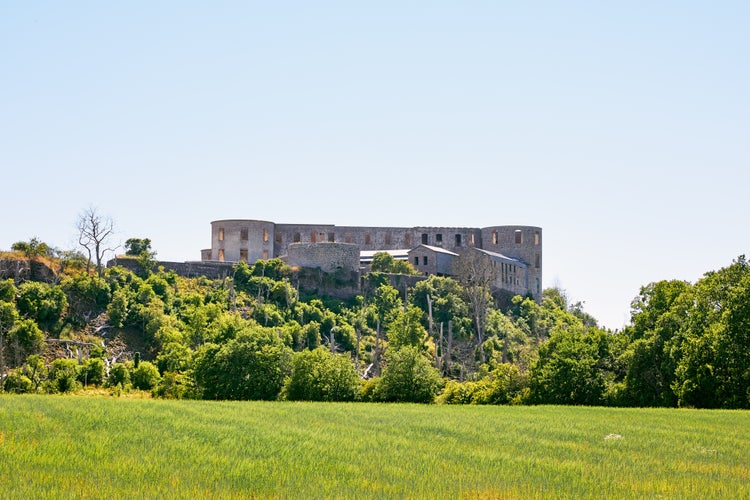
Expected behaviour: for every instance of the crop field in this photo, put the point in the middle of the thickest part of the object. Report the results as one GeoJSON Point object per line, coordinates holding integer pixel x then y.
{"type": "Point", "coordinates": [99, 447]}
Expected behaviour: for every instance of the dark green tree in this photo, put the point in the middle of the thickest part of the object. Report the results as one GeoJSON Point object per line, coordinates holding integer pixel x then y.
{"type": "Point", "coordinates": [32, 248]}
{"type": "Point", "coordinates": [137, 246]}
{"type": "Point", "coordinates": [250, 366]}
{"type": "Point", "coordinates": [409, 377]}
{"type": "Point", "coordinates": [119, 376]}
{"type": "Point", "coordinates": [318, 375]}
{"type": "Point", "coordinates": [8, 290]}
{"type": "Point", "coordinates": [384, 262]}
{"type": "Point", "coordinates": [655, 337]}
{"type": "Point", "coordinates": [92, 372]}
{"type": "Point", "coordinates": [568, 370]}
{"type": "Point", "coordinates": [714, 370]}
{"type": "Point", "coordinates": [145, 377]}
{"type": "Point", "coordinates": [407, 330]}
{"type": "Point", "coordinates": [63, 376]}
{"type": "Point", "coordinates": [41, 302]}
{"type": "Point", "coordinates": [24, 339]}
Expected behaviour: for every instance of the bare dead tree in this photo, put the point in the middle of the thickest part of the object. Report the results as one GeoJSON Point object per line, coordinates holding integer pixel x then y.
{"type": "Point", "coordinates": [94, 232]}
{"type": "Point", "coordinates": [476, 273]}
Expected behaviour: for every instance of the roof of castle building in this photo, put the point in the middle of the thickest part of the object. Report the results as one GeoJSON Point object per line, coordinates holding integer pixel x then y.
{"type": "Point", "coordinates": [366, 256]}
{"type": "Point", "coordinates": [436, 250]}
{"type": "Point", "coordinates": [501, 257]}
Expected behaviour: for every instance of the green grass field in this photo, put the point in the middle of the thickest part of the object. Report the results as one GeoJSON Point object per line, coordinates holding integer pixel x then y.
{"type": "Point", "coordinates": [99, 447]}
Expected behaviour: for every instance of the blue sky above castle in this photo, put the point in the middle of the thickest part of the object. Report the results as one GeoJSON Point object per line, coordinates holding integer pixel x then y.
{"type": "Point", "coordinates": [621, 130]}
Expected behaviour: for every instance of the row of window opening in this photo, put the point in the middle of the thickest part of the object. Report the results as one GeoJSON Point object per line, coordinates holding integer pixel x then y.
{"type": "Point", "coordinates": [331, 238]}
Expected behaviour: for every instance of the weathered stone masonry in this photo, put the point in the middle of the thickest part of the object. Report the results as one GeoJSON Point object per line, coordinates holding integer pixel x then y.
{"type": "Point", "coordinates": [236, 240]}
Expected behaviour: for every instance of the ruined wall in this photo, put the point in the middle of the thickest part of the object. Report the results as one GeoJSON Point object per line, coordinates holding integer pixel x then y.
{"type": "Point", "coordinates": [375, 238]}
{"type": "Point", "coordinates": [241, 240]}
{"type": "Point", "coordinates": [328, 257]}
{"type": "Point", "coordinates": [519, 242]}
{"type": "Point", "coordinates": [250, 240]}
{"type": "Point", "coordinates": [211, 270]}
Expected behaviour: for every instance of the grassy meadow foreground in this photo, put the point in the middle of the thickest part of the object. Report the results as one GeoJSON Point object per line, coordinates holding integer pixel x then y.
{"type": "Point", "coordinates": [74, 447]}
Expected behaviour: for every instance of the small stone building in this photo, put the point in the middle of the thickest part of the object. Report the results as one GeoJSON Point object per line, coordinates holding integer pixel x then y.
{"type": "Point", "coordinates": [432, 260]}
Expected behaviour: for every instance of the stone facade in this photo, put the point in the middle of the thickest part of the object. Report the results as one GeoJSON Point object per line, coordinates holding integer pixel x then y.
{"type": "Point", "coordinates": [328, 257]}
{"type": "Point", "coordinates": [236, 240]}
{"type": "Point", "coordinates": [432, 260]}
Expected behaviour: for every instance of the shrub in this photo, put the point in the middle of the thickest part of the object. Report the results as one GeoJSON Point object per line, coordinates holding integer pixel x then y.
{"type": "Point", "coordinates": [458, 393]}
{"type": "Point", "coordinates": [17, 382]}
{"type": "Point", "coordinates": [41, 302]}
{"type": "Point", "coordinates": [119, 376]}
{"type": "Point", "coordinates": [25, 339]}
{"type": "Point", "coordinates": [63, 375]}
{"type": "Point", "coordinates": [251, 366]}
{"type": "Point", "coordinates": [319, 375]}
{"type": "Point", "coordinates": [145, 377]}
{"type": "Point", "coordinates": [409, 377]}
{"type": "Point", "coordinates": [92, 372]}
{"type": "Point", "coordinates": [174, 386]}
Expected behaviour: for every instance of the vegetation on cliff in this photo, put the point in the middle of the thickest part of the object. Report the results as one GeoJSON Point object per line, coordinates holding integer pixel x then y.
{"type": "Point", "coordinates": [254, 336]}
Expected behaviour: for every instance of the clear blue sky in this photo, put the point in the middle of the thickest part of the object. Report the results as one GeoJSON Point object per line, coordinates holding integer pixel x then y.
{"type": "Point", "coordinates": [623, 130]}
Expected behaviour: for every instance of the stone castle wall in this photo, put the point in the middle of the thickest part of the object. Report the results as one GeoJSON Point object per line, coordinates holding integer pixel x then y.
{"type": "Point", "coordinates": [238, 240]}
{"type": "Point", "coordinates": [328, 257]}
{"type": "Point", "coordinates": [211, 270]}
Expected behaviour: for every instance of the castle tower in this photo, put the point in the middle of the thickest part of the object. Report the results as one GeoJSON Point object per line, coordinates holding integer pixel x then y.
{"type": "Point", "coordinates": [520, 242]}
{"type": "Point", "coordinates": [241, 240]}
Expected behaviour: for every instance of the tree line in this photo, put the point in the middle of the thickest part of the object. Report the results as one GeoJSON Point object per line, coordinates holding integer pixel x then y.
{"type": "Point", "coordinates": [453, 341]}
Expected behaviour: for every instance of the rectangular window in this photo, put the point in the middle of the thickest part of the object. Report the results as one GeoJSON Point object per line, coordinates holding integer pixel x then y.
{"type": "Point", "coordinates": [347, 238]}
{"type": "Point", "coordinates": [407, 239]}
{"type": "Point", "coordinates": [313, 238]}
{"type": "Point", "coordinates": [519, 237]}
{"type": "Point", "coordinates": [387, 238]}
{"type": "Point", "coordinates": [416, 260]}
{"type": "Point", "coordinates": [331, 238]}
{"type": "Point", "coordinates": [296, 237]}
{"type": "Point", "coordinates": [458, 240]}
{"type": "Point", "coordinates": [439, 238]}
{"type": "Point", "coordinates": [265, 234]}
{"type": "Point", "coordinates": [424, 260]}
{"type": "Point", "coordinates": [221, 234]}
{"type": "Point", "coordinates": [367, 239]}
{"type": "Point", "coordinates": [278, 238]}
{"type": "Point", "coordinates": [494, 237]}
{"type": "Point", "coordinates": [425, 238]}
{"type": "Point", "coordinates": [243, 254]}
{"type": "Point", "coordinates": [536, 261]}
{"type": "Point", "coordinates": [243, 234]}
{"type": "Point", "coordinates": [537, 238]}
{"type": "Point", "coordinates": [471, 240]}
{"type": "Point", "coordinates": [265, 254]}
{"type": "Point", "coordinates": [221, 255]}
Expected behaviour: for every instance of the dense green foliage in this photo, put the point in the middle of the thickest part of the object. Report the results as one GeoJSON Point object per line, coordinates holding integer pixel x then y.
{"type": "Point", "coordinates": [254, 337]}
{"type": "Point", "coordinates": [318, 375]}
{"type": "Point", "coordinates": [75, 447]}
{"type": "Point", "coordinates": [383, 262]}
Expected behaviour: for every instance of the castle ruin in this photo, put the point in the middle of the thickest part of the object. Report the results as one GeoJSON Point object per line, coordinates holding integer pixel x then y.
{"type": "Point", "coordinates": [515, 251]}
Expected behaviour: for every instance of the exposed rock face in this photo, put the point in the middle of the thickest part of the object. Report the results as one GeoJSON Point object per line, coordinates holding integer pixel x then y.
{"type": "Point", "coordinates": [26, 270]}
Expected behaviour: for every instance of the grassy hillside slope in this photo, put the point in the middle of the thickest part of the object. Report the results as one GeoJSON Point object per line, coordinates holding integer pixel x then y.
{"type": "Point", "coordinates": [91, 447]}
